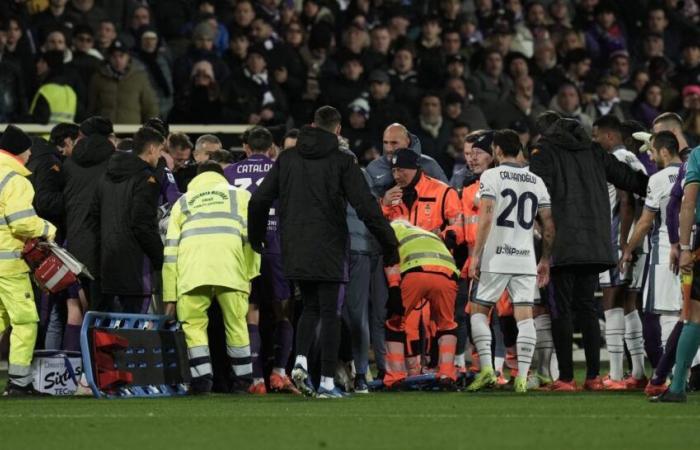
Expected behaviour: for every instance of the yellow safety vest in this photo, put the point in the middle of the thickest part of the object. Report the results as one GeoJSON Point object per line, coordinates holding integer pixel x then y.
{"type": "Point", "coordinates": [421, 248]}
{"type": "Point", "coordinates": [18, 220]}
{"type": "Point", "coordinates": [62, 101]}
{"type": "Point", "coordinates": [207, 240]}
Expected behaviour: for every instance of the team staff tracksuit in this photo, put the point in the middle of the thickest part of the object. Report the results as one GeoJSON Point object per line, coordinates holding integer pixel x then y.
{"type": "Point", "coordinates": [18, 222]}
{"type": "Point", "coordinates": [426, 273]}
{"type": "Point", "coordinates": [207, 255]}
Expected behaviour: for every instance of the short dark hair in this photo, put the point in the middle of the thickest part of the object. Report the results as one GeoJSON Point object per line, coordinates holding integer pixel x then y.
{"type": "Point", "coordinates": [667, 140]}
{"type": "Point", "coordinates": [327, 118]}
{"type": "Point", "coordinates": [180, 140]}
{"type": "Point", "coordinates": [125, 145]}
{"type": "Point", "coordinates": [145, 137]}
{"type": "Point", "coordinates": [509, 142]}
{"type": "Point", "coordinates": [221, 156]}
{"type": "Point", "coordinates": [291, 134]}
{"type": "Point", "coordinates": [259, 139]}
{"type": "Point", "coordinates": [669, 117]}
{"type": "Point", "coordinates": [609, 123]}
{"type": "Point", "coordinates": [209, 166]}
{"type": "Point", "coordinates": [461, 124]}
{"type": "Point", "coordinates": [60, 132]}
{"type": "Point", "coordinates": [159, 125]}
{"type": "Point", "coordinates": [546, 120]}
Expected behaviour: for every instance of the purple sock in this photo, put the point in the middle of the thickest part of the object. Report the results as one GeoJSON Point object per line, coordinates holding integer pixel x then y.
{"type": "Point", "coordinates": [668, 359]}
{"type": "Point", "coordinates": [651, 328]}
{"type": "Point", "coordinates": [71, 338]}
{"type": "Point", "coordinates": [284, 334]}
{"type": "Point", "coordinates": [255, 345]}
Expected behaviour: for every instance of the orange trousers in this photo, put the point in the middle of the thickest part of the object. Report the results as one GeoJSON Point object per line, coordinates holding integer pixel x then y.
{"type": "Point", "coordinates": [440, 292]}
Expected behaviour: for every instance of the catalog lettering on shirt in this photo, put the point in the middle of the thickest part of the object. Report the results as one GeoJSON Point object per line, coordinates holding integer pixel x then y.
{"type": "Point", "coordinates": [518, 195]}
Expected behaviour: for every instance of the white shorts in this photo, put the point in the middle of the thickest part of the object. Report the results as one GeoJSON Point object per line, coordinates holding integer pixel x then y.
{"type": "Point", "coordinates": [635, 274]}
{"type": "Point", "coordinates": [611, 277]}
{"type": "Point", "coordinates": [662, 290]}
{"type": "Point", "coordinates": [521, 288]}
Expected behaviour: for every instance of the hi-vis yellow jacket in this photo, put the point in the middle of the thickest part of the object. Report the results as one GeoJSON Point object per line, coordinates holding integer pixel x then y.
{"type": "Point", "coordinates": [18, 220]}
{"type": "Point", "coordinates": [207, 239]}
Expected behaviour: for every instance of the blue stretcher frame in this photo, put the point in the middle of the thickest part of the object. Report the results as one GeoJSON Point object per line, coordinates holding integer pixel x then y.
{"type": "Point", "coordinates": [119, 321]}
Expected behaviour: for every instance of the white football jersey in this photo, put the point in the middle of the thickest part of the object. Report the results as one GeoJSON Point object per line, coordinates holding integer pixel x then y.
{"type": "Point", "coordinates": [625, 156]}
{"type": "Point", "coordinates": [518, 195]}
{"type": "Point", "coordinates": [658, 196]}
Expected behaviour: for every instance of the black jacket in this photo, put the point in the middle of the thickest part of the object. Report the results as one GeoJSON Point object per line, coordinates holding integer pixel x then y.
{"type": "Point", "coordinates": [576, 173]}
{"type": "Point", "coordinates": [314, 182]}
{"type": "Point", "coordinates": [82, 171]}
{"type": "Point", "coordinates": [125, 212]}
{"type": "Point", "coordinates": [48, 182]}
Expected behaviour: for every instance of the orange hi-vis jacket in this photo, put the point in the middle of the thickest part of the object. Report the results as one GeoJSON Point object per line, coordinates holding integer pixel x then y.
{"type": "Point", "coordinates": [437, 209]}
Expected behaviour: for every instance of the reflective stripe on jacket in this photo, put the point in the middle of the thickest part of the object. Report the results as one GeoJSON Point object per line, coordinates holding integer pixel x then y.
{"type": "Point", "coordinates": [207, 240]}
{"type": "Point", "coordinates": [436, 209]}
{"type": "Point", "coordinates": [18, 220]}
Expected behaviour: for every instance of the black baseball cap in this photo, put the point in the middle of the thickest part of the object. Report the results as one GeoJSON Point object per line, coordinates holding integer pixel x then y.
{"type": "Point", "coordinates": [405, 158]}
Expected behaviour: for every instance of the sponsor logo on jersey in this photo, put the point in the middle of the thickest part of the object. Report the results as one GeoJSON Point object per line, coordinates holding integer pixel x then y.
{"type": "Point", "coordinates": [506, 249]}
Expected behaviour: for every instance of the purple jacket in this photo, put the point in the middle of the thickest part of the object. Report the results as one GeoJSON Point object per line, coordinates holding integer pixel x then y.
{"type": "Point", "coordinates": [673, 209]}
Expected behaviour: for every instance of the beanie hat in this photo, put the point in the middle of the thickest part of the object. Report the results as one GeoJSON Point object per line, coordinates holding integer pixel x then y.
{"type": "Point", "coordinates": [484, 141]}
{"type": "Point", "coordinates": [404, 158]}
{"type": "Point", "coordinates": [96, 125]}
{"type": "Point", "coordinates": [15, 141]}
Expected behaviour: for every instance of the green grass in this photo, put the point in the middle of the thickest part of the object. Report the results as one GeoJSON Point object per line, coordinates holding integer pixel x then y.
{"type": "Point", "coordinates": [387, 421]}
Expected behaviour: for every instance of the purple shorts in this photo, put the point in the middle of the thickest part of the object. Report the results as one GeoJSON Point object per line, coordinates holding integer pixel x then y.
{"type": "Point", "coordinates": [271, 284]}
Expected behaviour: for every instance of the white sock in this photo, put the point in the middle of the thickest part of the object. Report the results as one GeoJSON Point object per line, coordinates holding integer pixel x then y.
{"type": "Point", "coordinates": [327, 383]}
{"type": "Point", "coordinates": [459, 360]}
{"type": "Point", "coordinates": [481, 335]}
{"type": "Point", "coordinates": [526, 342]}
{"type": "Point", "coordinates": [554, 366]}
{"type": "Point", "coordinates": [258, 380]}
{"type": "Point", "coordinates": [301, 361]}
{"type": "Point", "coordinates": [498, 362]}
{"type": "Point", "coordinates": [667, 323]}
{"type": "Point", "coordinates": [635, 343]}
{"type": "Point", "coordinates": [281, 371]}
{"type": "Point", "coordinates": [614, 338]}
{"type": "Point", "coordinates": [545, 344]}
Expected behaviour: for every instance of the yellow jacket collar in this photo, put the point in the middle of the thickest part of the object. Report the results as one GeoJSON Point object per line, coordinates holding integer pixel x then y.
{"type": "Point", "coordinates": [207, 179]}
{"type": "Point", "coordinates": [13, 163]}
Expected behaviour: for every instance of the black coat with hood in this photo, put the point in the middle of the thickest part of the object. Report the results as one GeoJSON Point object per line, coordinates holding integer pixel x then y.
{"type": "Point", "coordinates": [124, 211]}
{"type": "Point", "coordinates": [314, 182]}
{"type": "Point", "coordinates": [82, 171]}
{"type": "Point", "coordinates": [576, 172]}
{"type": "Point", "coordinates": [46, 163]}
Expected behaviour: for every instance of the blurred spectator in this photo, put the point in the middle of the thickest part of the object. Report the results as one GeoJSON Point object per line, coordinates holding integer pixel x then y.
{"type": "Point", "coordinates": [688, 71]}
{"type": "Point", "coordinates": [86, 59]}
{"type": "Point", "coordinates": [13, 104]}
{"type": "Point", "coordinates": [120, 91]}
{"type": "Point", "coordinates": [472, 113]}
{"type": "Point", "coordinates": [520, 106]}
{"type": "Point", "coordinates": [313, 12]}
{"type": "Point", "coordinates": [140, 17]}
{"type": "Point", "coordinates": [221, 33]}
{"type": "Point", "coordinates": [357, 133]}
{"type": "Point", "coordinates": [428, 53]}
{"type": "Point", "coordinates": [243, 16]}
{"type": "Point", "coordinates": [607, 34]}
{"type": "Point", "coordinates": [648, 104]}
{"type": "Point", "coordinates": [658, 23]}
{"type": "Point", "coordinates": [254, 97]}
{"type": "Point", "coordinates": [433, 131]}
{"type": "Point", "coordinates": [150, 54]}
{"type": "Point", "coordinates": [517, 66]}
{"type": "Point", "coordinates": [404, 79]}
{"type": "Point", "coordinates": [202, 48]}
{"type": "Point", "coordinates": [606, 100]}
{"type": "Point", "coordinates": [489, 84]}
{"type": "Point", "coordinates": [455, 147]}
{"type": "Point", "coordinates": [106, 35]}
{"type": "Point", "coordinates": [347, 86]}
{"type": "Point", "coordinates": [691, 99]}
{"type": "Point", "coordinates": [52, 17]}
{"type": "Point", "coordinates": [384, 108]}
{"type": "Point", "coordinates": [85, 12]}
{"type": "Point", "coordinates": [200, 102]}
{"type": "Point", "coordinates": [575, 70]}
{"type": "Point", "coordinates": [620, 67]}
{"type": "Point", "coordinates": [377, 56]}
{"type": "Point", "coordinates": [20, 49]}
{"type": "Point", "coordinates": [691, 127]}
{"type": "Point", "coordinates": [290, 72]}
{"type": "Point", "coordinates": [567, 103]}
{"type": "Point", "coordinates": [237, 53]}
{"type": "Point", "coordinates": [56, 101]}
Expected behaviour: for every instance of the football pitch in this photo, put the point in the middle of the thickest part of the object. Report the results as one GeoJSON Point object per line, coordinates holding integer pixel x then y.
{"type": "Point", "coordinates": [419, 420]}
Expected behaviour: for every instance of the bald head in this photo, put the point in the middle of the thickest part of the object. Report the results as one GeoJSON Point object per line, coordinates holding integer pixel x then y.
{"type": "Point", "coordinates": [396, 136]}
